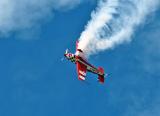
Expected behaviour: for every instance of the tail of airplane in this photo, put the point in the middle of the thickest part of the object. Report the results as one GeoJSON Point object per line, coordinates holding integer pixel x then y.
{"type": "Point", "coordinates": [101, 77]}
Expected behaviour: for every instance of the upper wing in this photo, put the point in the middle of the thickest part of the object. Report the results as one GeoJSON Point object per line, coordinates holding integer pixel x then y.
{"type": "Point", "coordinates": [81, 70]}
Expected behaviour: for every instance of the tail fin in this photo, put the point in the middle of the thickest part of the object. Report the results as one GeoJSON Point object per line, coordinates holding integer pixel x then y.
{"type": "Point", "coordinates": [101, 77]}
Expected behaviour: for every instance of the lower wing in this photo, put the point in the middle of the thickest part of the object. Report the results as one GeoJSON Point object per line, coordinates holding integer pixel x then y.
{"type": "Point", "coordinates": [81, 70]}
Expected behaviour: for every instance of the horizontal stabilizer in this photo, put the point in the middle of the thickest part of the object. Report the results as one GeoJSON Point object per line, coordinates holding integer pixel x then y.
{"type": "Point", "coordinates": [101, 70]}
{"type": "Point", "coordinates": [101, 76]}
{"type": "Point", "coordinates": [101, 79]}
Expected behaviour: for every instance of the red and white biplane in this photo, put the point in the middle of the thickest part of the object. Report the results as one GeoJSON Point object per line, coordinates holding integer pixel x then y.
{"type": "Point", "coordinates": [83, 66]}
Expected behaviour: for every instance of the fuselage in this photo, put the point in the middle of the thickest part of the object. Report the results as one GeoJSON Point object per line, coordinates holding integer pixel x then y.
{"type": "Point", "coordinates": [77, 58]}
{"type": "Point", "coordinates": [83, 66]}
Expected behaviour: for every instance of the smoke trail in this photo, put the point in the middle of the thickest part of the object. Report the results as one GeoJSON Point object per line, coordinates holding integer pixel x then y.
{"type": "Point", "coordinates": [114, 22]}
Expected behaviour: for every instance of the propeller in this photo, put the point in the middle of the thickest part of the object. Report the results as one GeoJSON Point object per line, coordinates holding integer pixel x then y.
{"type": "Point", "coordinates": [66, 51]}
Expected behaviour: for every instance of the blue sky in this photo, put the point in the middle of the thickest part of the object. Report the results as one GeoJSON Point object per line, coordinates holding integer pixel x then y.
{"type": "Point", "coordinates": [35, 82]}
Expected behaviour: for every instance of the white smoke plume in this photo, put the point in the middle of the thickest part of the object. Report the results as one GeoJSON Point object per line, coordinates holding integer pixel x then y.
{"type": "Point", "coordinates": [21, 15]}
{"type": "Point", "coordinates": [114, 22]}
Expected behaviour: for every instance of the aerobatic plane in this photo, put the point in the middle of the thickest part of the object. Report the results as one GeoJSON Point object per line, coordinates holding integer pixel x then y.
{"type": "Point", "coordinates": [83, 66]}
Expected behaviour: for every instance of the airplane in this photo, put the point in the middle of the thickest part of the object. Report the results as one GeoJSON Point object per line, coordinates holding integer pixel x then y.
{"type": "Point", "coordinates": [83, 66]}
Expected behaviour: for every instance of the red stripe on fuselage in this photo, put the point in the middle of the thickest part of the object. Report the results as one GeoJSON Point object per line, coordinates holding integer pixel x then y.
{"type": "Point", "coordinates": [96, 71]}
{"type": "Point", "coordinates": [80, 58]}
